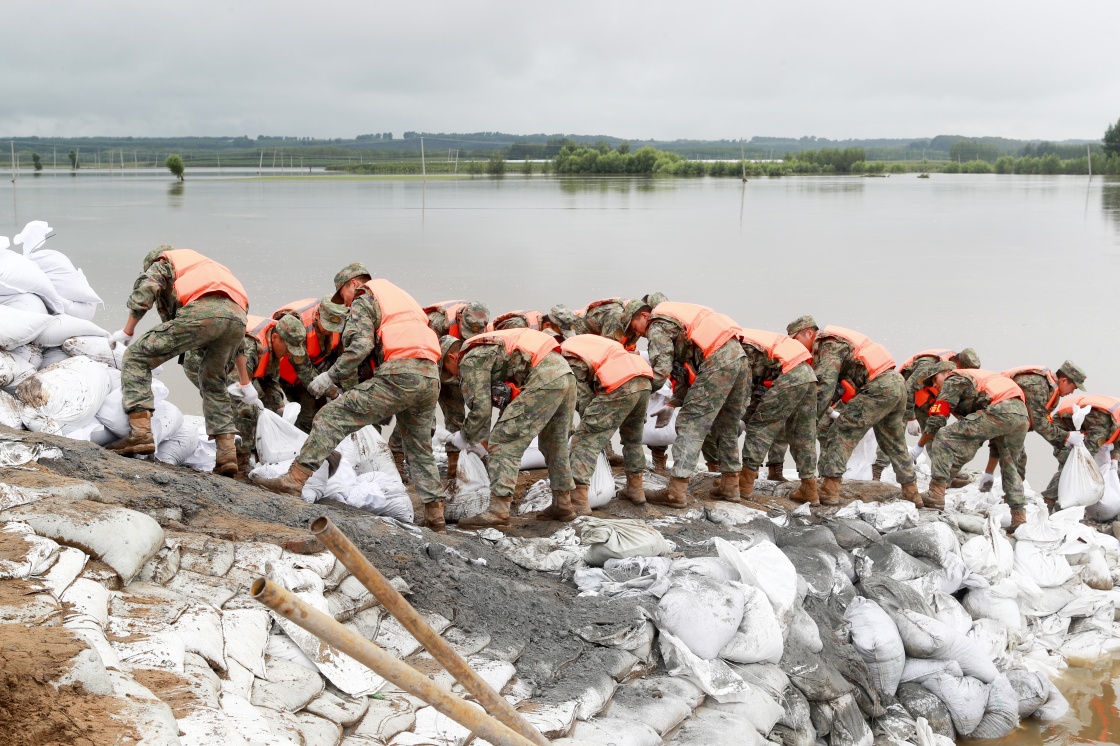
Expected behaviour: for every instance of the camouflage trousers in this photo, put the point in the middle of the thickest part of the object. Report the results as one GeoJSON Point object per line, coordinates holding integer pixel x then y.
{"type": "Point", "coordinates": [1006, 424]}
{"type": "Point", "coordinates": [788, 408]}
{"type": "Point", "coordinates": [624, 410]}
{"type": "Point", "coordinates": [541, 411]}
{"type": "Point", "coordinates": [713, 406]}
{"type": "Point", "coordinates": [879, 405]}
{"type": "Point", "coordinates": [454, 410]}
{"type": "Point", "coordinates": [408, 395]}
{"type": "Point", "coordinates": [245, 416]}
{"type": "Point", "coordinates": [217, 340]}
{"type": "Point", "coordinates": [921, 414]}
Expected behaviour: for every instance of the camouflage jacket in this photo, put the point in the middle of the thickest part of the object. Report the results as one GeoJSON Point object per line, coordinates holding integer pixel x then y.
{"type": "Point", "coordinates": [359, 341]}
{"type": "Point", "coordinates": [156, 287]}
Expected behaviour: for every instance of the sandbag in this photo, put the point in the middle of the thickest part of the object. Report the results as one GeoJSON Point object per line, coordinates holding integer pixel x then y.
{"type": "Point", "coordinates": [930, 541]}
{"type": "Point", "coordinates": [966, 698]}
{"type": "Point", "coordinates": [277, 440]}
{"type": "Point", "coordinates": [1042, 564]}
{"type": "Point", "coordinates": [618, 539]}
{"type": "Point", "coordinates": [892, 596]}
{"type": "Point", "coordinates": [10, 411]}
{"type": "Point", "coordinates": [64, 396]}
{"type": "Point", "coordinates": [1080, 482]}
{"type": "Point", "coordinates": [368, 452]}
{"type": "Point", "coordinates": [111, 413]}
{"type": "Point", "coordinates": [69, 282]}
{"type": "Point", "coordinates": [473, 495]}
{"type": "Point", "coordinates": [863, 457]}
{"type": "Point", "coordinates": [24, 302]}
{"type": "Point", "coordinates": [759, 636]}
{"type": "Point", "coordinates": [917, 669]}
{"type": "Point", "coordinates": [877, 641]}
{"type": "Point", "coordinates": [18, 328]}
{"type": "Point", "coordinates": [766, 567]}
{"type": "Point", "coordinates": [923, 704]}
{"type": "Point", "coordinates": [601, 490]}
{"type": "Point", "coordinates": [1031, 688]}
{"type": "Point", "coordinates": [533, 457]}
{"type": "Point", "coordinates": [62, 327]}
{"type": "Point", "coordinates": [13, 370]}
{"type": "Point", "coordinates": [884, 558]}
{"type": "Point", "coordinates": [714, 677]}
{"type": "Point", "coordinates": [998, 602]}
{"type": "Point", "coordinates": [852, 533]}
{"type": "Point", "coordinates": [660, 437]}
{"type": "Point", "coordinates": [813, 675]}
{"type": "Point", "coordinates": [19, 274]}
{"type": "Point", "coordinates": [1054, 708]}
{"type": "Point", "coordinates": [702, 614]}
{"type": "Point", "coordinates": [1109, 506]}
{"type": "Point", "coordinates": [949, 612]}
{"type": "Point", "coordinates": [95, 348]}
{"type": "Point", "coordinates": [166, 422]}
{"type": "Point", "coordinates": [381, 494]}
{"type": "Point", "coordinates": [52, 355]}
{"type": "Point", "coordinates": [990, 555]}
{"type": "Point", "coordinates": [31, 353]}
{"type": "Point", "coordinates": [177, 448]}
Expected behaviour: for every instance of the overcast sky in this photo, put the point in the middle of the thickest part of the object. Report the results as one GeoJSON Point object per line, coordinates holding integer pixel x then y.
{"type": "Point", "coordinates": [1023, 69]}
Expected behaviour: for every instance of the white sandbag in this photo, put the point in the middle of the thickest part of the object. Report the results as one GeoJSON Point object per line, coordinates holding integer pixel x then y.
{"type": "Point", "coordinates": [13, 370]}
{"type": "Point", "coordinates": [876, 639]}
{"type": "Point", "coordinates": [764, 566]}
{"type": "Point", "coordinates": [367, 451]}
{"type": "Point", "coordinates": [18, 328]}
{"type": "Point", "coordinates": [52, 355]}
{"type": "Point", "coordinates": [949, 612]}
{"type": "Point", "coordinates": [31, 353]}
{"type": "Point", "coordinates": [62, 327]}
{"type": "Point", "coordinates": [63, 396]}
{"type": "Point", "coordinates": [533, 457]}
{"type": "Point", "coordinates": [863, 457]}
{"type": "Point", "coordinates": [19, 274]}
{"type": "Point", "coordinates": [1081, 482]}
{"type": "Point", "coordinates": [662, 437]}
{"type": "Point", "coordinates": [111, 413]}
{"type": "Point", "coordinates": [759, 636]}
{"type": "Point", "coordinates": [965, 697]}
{"type": "Point", "coordinates": [381, 494]}
{"type": "Point", "coordinates": [95, 348]}
{"type": "Point", "coordinates": [473, 495]}
{"type": "Point", "coordinates": [83, 311]}
{"type": "Point", "coordinates": [602, 488]}
{"type": "Point", "coordinates": [166, 421]}
{"type": "Point", "coordinates": [715, 677]}
{"type": "Point", "coordinates": [999, 602]}
{"type": "Point", "coordinates": [10, 411]}
{"type": "Point", "coordinates": [620, 538]}
{"type": "Point", "coordinates": [69, 282]}
{"type": "Point", "coordinates": [990, 555]}
{"type": "Point", "coordinates": [277, 440]}
{"type": "Point", "coordinates": [1054, 708]}
{"type": "Point", "coordinates": [1109, 506]}
{"type": "Point", "coordinates": [24, 302]}
{"type": "Point", "coordinates": [917, 669]}
{"type": "Point", "coordinates": [701, 613]}
{"type": "Point", "coordinates": [1042, 564]}
{"type": "Point", "coordinates": [176, 448]}
{"type": "Point", "coordinates": [924, 735]}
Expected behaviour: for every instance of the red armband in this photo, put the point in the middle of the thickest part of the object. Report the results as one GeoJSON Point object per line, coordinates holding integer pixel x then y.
{"type": "Point", "coordinates": [514, 391]}
{"type": "Point", "coordinates": [940, 409]}
{"type": "Point", "coordinates": [767, 384]}
{"type": "Point", "coordinates": [848, 391]}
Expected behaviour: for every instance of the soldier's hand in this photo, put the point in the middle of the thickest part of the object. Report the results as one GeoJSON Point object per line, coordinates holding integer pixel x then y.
{"type": "Point", "coordinates": [249, 396]}
{"type": "Point", "coordinates": [916, 452]}
{"type": "Point", "coordinates": [121, 338]}
{"type": "Point", "coordinates": [1075, 439]}
{"type": "Point", "coordinates": [320, 385]}
{"type": "Point", "coordinates": [833, 414]}
{"type": "Point", "coordinates": [986, 482]}
{"type": "Point", "coordinates": [913, 428]}
{"type": "Point", "coordinates": [663, 417]}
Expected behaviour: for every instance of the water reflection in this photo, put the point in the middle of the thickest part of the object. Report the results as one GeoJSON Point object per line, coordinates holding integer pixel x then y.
{"type": "Point", "coordinates": [622, 185]}
{"type": "Point", "coordinates": [1110, 201]}
{"type": "Point", "coordinates": [175, 193]}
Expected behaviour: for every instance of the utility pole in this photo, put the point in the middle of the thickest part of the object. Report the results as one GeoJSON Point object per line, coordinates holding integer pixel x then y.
{"type": "Point", "coordinates": [55, 158]}
{"type": "Point", "coordinates": [13, 143]}
{"type": "Point", "coordinates": [1089, 156]}
{"type": "Point", "coordinates": [261, 163]}
{"type": "Point", "coordinates": [423, 166]}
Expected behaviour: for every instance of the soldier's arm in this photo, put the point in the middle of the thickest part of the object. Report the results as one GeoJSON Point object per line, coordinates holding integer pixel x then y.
{"type": "Point", "coordinates": [828, 360]}
{"type": "Point", "coordinates": [613, 327]}
{"type": "Point", "coordinates": [474, 381]}
{"type": "Point", "coordinates": [661, 352]}
{"type": "Point", "coordinates": [149, 286]}
{"type": "Point", "coordinates": [913, 385]}
{"type": "Point", "coordinates": [1054, 432]}
{"type": "Point", "coordinates": [1098, 428]}
{"type": "Point", "coordinates": [948, 400]}
{"type": "Point", "coordinates": [584, 391]}
{"type": "Point", "coordinates": [359, 339]}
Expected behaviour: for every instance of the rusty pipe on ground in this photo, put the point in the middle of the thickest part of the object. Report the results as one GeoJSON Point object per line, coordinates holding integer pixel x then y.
{"type": "Point", "coordinates": [384, 664]}
{"type": "Point", "coordinates": [361, 568]}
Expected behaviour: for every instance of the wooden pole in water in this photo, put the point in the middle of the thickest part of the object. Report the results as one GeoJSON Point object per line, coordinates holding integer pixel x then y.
{"type": "Point", "coordinates": [423, 165]}
{"type": "Point", "coordinates": [1089, 157]}
{"type": "Point", "coordinates": [743, 158]}
{"type": "Point", "coordinates": [261, 162]}
{"type": "Point", "coordinates": [13, 144]}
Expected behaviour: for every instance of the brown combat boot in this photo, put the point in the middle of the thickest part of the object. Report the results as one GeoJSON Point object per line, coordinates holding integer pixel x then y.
{"type": "Point", "coordinates": [806, 492]}
{"type": "Point", "coordinates": [660, 458]}
{"type": "Point", "coordinates": [726, 487]}
{"type": "Point", "coordinates": [496, 515]}
{"type": "Point", "coordinates": [675, 495]}
{"type": "Point", "coordinates": [433, 516]}
{"type": "Point", "coordinates": [634, 491]}
{"type": "Point", "coordinates": [452, 464]}
{"type": "Point", "coordinates": [773, 473]}
{"type": "Point", "coordinates": [746, 482]}
{"type": "Point", "coordinates": [139, 439]}
{"type": "Point", "coordinates": [958, 481]}
{"type": "Point", "coordinates": [398, 459]}
{"type": "Point", "coordinates": [830, 490]}
{"type": "Point", "coordinates": [934, 497]}
{"type": "Point", "coordinates": [288, 484]}
{"type": "Point", "coordinates": [579, 500]}
{"type": "Point", "coordinates": [910, 493]}
{"type": "Point", "coordinates": [1018, 518]}
{"type": "Point", "coordinates": [561, 508]}
{"type": "Point", "coordinates": [876, 473]}
{"type": "Point", "coordinates": [712, 466]}
{"type": "Point", "coordinates": [225, 462]}
{"type": "Point", "coordinates": [242, 467]}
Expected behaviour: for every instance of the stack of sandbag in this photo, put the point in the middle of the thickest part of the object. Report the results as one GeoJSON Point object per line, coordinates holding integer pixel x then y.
{"type": "Point", "coordinates": [69, 284]}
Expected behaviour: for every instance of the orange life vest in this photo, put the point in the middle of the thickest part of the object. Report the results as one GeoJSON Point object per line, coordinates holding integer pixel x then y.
{"type": "Point", "coordinates": [1040, 371]}
{"type": "Point", "coordinates": [404, 332]}
{"type": "Point", "coordinates": [704, 327]}
{"type": "Point", "coordinates": [1107, 404]}
{"type": "Point", "coordinates": [450, 310]}
{"type": "Point", "coordinates": [872, 355]}
{"type": "Point", "coordinates": [260, 329]}
{"type": "Point", "coordinates": [943, 355]}
{"type": "Point", "coordinates": [536, 345]}
{"type": "Point", "coordinates": [786, 350]}
{"type": "Point", "coordinates": [532, 318]}
{"type": "Point", "coordinates": [197, 275]}
{"type": "Point", "coordinates": [997, 386]}
{"type": "Point", "coordinates": [307, 310]}
{"type": "Point", "coordinates": [609, 361]}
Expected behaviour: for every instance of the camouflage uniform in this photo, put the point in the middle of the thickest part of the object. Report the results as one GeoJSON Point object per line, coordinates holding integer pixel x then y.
{"type": "Point", "coordinates": [601, 413]}
{"type": "Point", "coordinates": [543, 409]}
{"type": "Point", "coordinates": [978, 420]}
{"type": "Point", "coordinates": [472, 320]}
{"type": "Point", "coordinates": [878, 404]}
{"type": "Point", "coordinates": [1038, 391]}
{"type": "Point", "coordinates": [212, 324]}
{"type": "Point", "coordinates": [291, 329]}
{"type": "Point", "coordinates": [406, 388]}
{"type": "Point", "coordinates": [1097, 428]}
{"type": "Point", "coordinates": [788, 408]}
{"type": "Point", "coordinates": [713, 403]}
{"type": "Point", "coordinates": [513, 320]}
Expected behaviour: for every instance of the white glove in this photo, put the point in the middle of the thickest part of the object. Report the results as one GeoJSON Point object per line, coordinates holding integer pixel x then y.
{"type": "Point", "coordinates": [320, 385]}
{"type": "Point", "coordinates": [1075, 439]}
{"type": "Point", "coordinates": [463, 444]}
{"type": "Point", "coordinates": [916, 452]}
{"type": "Point", "coordinates": [250, 396]}
{"type": "Point", "coordinates": [663, 415]}
{"type": "Point", "coordinates": [833, 414]}
{"type": "Point", "coordinates": [119, 337]}
{"type": "Point", "coordinates": [913, 428]}
{"type": "Point", "coordinates": [986, 482]}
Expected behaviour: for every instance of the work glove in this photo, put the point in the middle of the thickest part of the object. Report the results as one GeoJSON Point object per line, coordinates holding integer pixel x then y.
{"type": "Point", "coordinates": [1074, 439]}
{"type": "Point", "coordinates": [463, 444]}
{"type": "Point", "coordinates": [916, 452]}
{"type": "Point", "coordinates": [320, 385]}
{"type": "Point", "coordinates": [250, 396]}
{"type": "Point", "coordinates": [833, 414]}
{"type": "Point", "coordinates": [913, 428]}
{"type": "Point", "coordinates": [119, 337]}
{"type": "Point", "coordinates": [663, 416]}
{"type": "Point", "coordinates": [986, 482]}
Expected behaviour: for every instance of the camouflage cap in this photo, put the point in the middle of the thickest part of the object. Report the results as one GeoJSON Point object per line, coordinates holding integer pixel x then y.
{"type": "Point", "coordinates": [151, 256]}
{"type": "Point", "coordinates": [941, 367]}
{"type": "Point", "coordinates": [1070, 370]}
{"type": "Point", "coordinates": [632, 307]}
{"type": "Point", "coordinates": [653, 300]}
{"type": "Point", "coordinates": [800, 324]}
{"type": "Point", "coordinates": [332, 316]}
{"type": "Point", "coordinates": [349, 272]}
{"type": "Point", "coordinates": [563, 317]}
{"type": "Point", "coordinates": [473, 319]}
{"type": "Point", "coordinates": [967, 358]}
{"type": "Point", "coordinates": [447, 344]}
{"type": "Point", "coordinates": [291, 330]}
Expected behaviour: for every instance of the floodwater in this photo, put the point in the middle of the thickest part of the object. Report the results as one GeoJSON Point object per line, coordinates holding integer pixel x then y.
{"type": "Point", "coordinates": [1023, 268]}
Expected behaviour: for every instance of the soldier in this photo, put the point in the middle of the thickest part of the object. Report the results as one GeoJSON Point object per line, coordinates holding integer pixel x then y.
{"type": "Point", "coordinates": [613, 390]}
{"type": "Point", "coordinates": [1101, 428]}
{"type": "Point", "coordinates": [860, 373]}
{"type": "Point", "coordinates": [700, 349]}
{"type": "Point", "coordinates": [1043, 390]}
{"type": "Point", "coordinates": [458, 318]}
{"type": "Point", "coordinates": [988, 406]}
{"type": "Point", "coordinates": [918, 397]}
{"type": "Point", "coordinates": [522, 371]}
{"type": "Point", "coordinates": [516, 320]}
{"type": "Point", "coordinates": [306, 341]}
{"type": "Point", "coordinates": [388, 328]}
{"type": "Point", "coordinates": [202, 307]}
{"type": "Point", "coordinates": [781, 367]}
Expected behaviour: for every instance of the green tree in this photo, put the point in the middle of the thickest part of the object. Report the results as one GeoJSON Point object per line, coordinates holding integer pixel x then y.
{"type": "Point", "coordinates": [175, 165]}
{"type": "Point", "coordinates": [73, 159]}
{"type": "Point", "coordinates": [496, 165]}
{"type": "Point", "coordinates": [527, 167]}
{"type": "Point", "coordinates": [624, 147]}
{"type": "Point", "coordinates": [1112, 139]}
{"type": "Point", "coordinates": [37, 161]}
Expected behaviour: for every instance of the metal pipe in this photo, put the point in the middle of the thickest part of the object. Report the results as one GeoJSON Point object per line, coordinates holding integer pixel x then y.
{"type": "Point", "coordinates": [384, 664]}
{"type": "Point", "coordinates": [361, 568]}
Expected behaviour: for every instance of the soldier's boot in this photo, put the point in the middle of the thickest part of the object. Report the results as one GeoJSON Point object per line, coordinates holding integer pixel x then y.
{"type": "Point", "coordinates": [139, 439]}
{"type": "Point", "coordinates": [287, 484]}
{"type": "Point", "coordinates": [398, 459]}
{"type": "Point", "coordinates": [433, 516]}
{"type": "Point", "coordinates": [561, 508]}
{"type": "Point", "coordinates": [225, 461]}
{"type": "Point", "coordinates": [876, 473]}
{"type": "Point", "coordinates": [242, 467]}
{"type": "Point", "coordinates": [959, 481]}
{"type": "Point", "coordinates": [910, 492]}
{"type": "Point", "coordinates": [773, 473]}
{"type": "Point", "coordinates": [726, 487]}
{"type": "Point", "coordinates": [580, 504]}
{"type": "Point", "coordinates": [660, 458]}
{"type": "Point", "coordinates": [614, 458]}
{"type": "Point", "coordinates": [1018, 518]}
{"type": "Point", "coordinates": [829, 493]}
{"type": "Point", "coordinates": [746, 482]}
{"type": "Point", "coordinates": [452, 464]}
{"type": "Point", "coordinates": [675, 495]}
{"type": "Point", "coordinates": [934, 497]}
{"type": "Point", "coordinates": [806, 492]}
{"type": "Point", "coordinates": [496, 515]}
{"type": "Point", "coordinates": [634, 491]}
{"type": "Point", "coordinates": [712, 466]}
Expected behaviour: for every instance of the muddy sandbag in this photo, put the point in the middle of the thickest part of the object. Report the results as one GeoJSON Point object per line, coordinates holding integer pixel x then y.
{"type": "Point", "coordinates": [848, 726]}
{"type": "Point", "coordinates": [884, 558]}
{"type": "Point", "coordinates": [708, 727]}
{"type": "Point", "coordinates": [892, 595]}
{"type": "Point", "coordinates": [926, 637]}
{"type": "Point", "coordinates": [1054, 708]}
{"type": "Point", "coordinates": [875, 637]}
{"type": "Point", "coordinates": [804, 536]}
{"type": "Point", "coordinates": [661, 713]}
{"type": "Point", "coordinates": [13, 369]}
{"type": "Point", "coordinates": [917, 669]}
{"type": "Point", "coordinates": [922, 703]}
{"type": "Point", "coordinates": [796, 726]}
{"type": "Point", "coordinates": [813, 676]}
{"type": "Point", "coordinates": [95, 348]}
{"type": "Point", "coordinates": [852, 533]}
{"type": "Point", "coordinates": [802, 631]}
{"type": "Point", "coordinates": [930, 541]}
{"type": "Point", "coordinates": [64, 396]}
{"type": "Point", "coordinates": [768, 677]}
{"type": "Point", "coordinates": [620, 538]}
{"type": "Point", "coordinates": [817, 568]}
{"type": "Point", "coordinates": [1032, 689]}
{"type": "Point", "coordinates": [121, 538]}
{"type": "Point", "coordinates": [1001, 716]}
{"type": "Point", "coordinates": [758, 638]}
{"type": "Point", "coordinates": [702, 613]}
{"type": "Point", "coordinates": [762, 712]}
{"type": "Point", "coordinates": [10, 410]}
{"type": "Point", "coordinates": [949, 612]}
{"type": "Point", "coordinates": [966, 698]}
